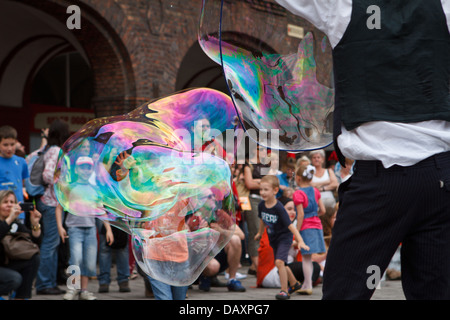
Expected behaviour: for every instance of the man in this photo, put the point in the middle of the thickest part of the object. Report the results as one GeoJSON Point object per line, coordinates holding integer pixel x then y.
{"type": "Point", "coordinates": [392, 115]}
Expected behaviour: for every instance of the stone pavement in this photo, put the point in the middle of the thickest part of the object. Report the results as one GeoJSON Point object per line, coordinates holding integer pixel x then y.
{"type": "Point", "coordinates": [390, 290]}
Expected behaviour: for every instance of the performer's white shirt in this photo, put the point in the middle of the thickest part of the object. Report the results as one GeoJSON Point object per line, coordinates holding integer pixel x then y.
{"type": "Point", "coordinates": [392, 143]}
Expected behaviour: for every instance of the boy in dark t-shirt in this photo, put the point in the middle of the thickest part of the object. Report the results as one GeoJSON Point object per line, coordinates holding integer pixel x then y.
{"type": "Point", "coordinates": [279, 229]}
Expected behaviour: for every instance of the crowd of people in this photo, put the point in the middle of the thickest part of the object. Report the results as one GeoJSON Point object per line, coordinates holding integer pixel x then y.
{"type": "Point", "coordinates": [49, 227]}
{"type": "Point", "coordinates": [285, 214]}
{"type": "Point", "coordinates": [307, 191]}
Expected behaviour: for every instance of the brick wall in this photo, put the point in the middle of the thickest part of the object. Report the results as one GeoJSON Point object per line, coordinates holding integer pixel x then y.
{"type": "Point", "coordinates": [135, 47]}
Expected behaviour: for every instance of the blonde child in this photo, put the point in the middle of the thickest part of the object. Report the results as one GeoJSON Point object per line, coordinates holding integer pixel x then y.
{"type": "Point", "coordinates": [273, 215]}
{"type": "Point", "coordinates": [309, 206]}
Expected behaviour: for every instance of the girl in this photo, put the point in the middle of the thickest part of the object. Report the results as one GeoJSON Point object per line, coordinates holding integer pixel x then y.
{"type": "Point", "coordinates": [309, 205]}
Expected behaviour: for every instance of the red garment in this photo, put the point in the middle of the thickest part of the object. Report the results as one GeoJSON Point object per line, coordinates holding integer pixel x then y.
{"type": "Point", "coordinates": [266, 259]}
{"type": "Point", "coordinates": [300, 197]}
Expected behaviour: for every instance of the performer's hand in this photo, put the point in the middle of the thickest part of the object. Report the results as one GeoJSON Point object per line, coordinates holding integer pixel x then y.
{"type": "Point", "coordinates": [122, 161]}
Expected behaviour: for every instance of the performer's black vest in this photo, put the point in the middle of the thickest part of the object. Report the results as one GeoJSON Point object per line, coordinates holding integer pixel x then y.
{"type": "Point", "coordinates": [399, 72]}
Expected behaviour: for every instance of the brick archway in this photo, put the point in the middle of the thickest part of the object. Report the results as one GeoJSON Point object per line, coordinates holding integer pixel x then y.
{"type": "Point", "coordinates": [114, 82]}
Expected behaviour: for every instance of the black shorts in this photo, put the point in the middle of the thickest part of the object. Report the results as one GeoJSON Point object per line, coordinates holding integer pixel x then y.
{"type": "Point", "coordinates": [221, 257]}
{"type": "Point", "coordinates": [281, 246]}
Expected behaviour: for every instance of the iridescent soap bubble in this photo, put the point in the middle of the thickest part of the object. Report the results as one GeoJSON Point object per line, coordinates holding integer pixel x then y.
{"type": "Point", "coordinates": [150, 174]}
{"type": "Point", "coordinates": [278, 82]}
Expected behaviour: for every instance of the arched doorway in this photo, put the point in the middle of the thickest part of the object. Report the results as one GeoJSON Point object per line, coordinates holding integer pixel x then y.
{"type": "Point", "coordinates": [198, 70]}
{"type": "Point", "coordinates": [48, 70]}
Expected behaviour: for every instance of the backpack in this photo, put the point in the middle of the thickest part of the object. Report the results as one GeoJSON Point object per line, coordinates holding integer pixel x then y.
{"type": "Point", "coordinates": [35, 184]}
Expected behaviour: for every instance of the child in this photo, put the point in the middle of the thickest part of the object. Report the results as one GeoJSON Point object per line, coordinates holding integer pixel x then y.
{"type": "Point", "coordinates": [279, 229]}
{"type": "Point", "coordinates": [82, 229]}
{"type": "Point", "coordinates": [307, 201]}
{"type": "Point", "coordinates": [13, 169]}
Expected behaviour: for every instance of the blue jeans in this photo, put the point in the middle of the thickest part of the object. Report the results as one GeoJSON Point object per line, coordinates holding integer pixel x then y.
{"type": "Point", "coordinates": [105, 257]}
{"type": "Point", "coordinates": [19, 276]}
{"type": "Point", "coordinates": [164, 291]}
{"type": "Point", "coordinates": [47, 272]}
{"type": "Point", "coordinates": [10, 280]}
{"type": "Point", "coordinates": [83, 249]}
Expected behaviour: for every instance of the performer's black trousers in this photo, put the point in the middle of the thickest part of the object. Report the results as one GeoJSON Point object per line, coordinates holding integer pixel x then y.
{"type": "Point", "coordinates": [381, 209]}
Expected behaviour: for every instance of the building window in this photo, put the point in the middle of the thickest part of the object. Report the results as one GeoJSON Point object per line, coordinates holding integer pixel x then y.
{"type": "Point", "coordinates": [66, 80]}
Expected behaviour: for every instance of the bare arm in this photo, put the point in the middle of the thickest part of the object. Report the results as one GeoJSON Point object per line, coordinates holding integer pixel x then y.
{"type": "Point", "coordinates": [321, 207]}
{"type": "Point", "coordinates": [238, 231]}
{"type": "Point", "coordinates": [250, 183]}
{"type": "Point", "coordinates": [109, 234]}
{"type": "Point", "coordinates": [261, 230]}
{"type": "Point", "coordinates": [300, 243]}
{"type": "Point", "coordinates": [333, 181]}
{"type": "Point", "coordinates": [62, 232]}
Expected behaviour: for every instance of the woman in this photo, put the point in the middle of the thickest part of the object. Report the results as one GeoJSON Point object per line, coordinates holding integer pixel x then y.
{"type": "Point", "coordinates": [17, 275]}
{"type": "Point", "coordinates": [324, 179]}
{"type": "Point", "coordinates": [254, 169]}
{"type": "Point", "coordinates": [48, 268]}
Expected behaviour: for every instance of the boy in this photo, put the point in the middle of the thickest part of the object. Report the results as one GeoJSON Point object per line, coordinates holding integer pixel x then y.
{"type": "Point", "coordinates": [13, 169]}
{"type": "Point", "coordinates": [279, 229]}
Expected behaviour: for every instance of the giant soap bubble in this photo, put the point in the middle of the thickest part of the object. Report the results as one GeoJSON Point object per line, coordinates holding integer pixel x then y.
{"type": "Point", "coordinates": [160, 174]}
{"type": "Point", "coordinates": [280, 84]}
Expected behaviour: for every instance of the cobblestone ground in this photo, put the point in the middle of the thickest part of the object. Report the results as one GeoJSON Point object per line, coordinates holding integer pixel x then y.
{"type": "Point", "coordinates": [390, 290]}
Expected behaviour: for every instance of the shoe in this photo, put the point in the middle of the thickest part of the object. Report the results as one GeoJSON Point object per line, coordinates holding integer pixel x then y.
{"type": "Point", "coordinates": [86, 295]}
{"type": "Point", "coordinates": [133, 275]}
{"type": "Point", "coordinates": [71, 294]}
{"type": "Point", "coordinates": [124, 287]}
{"type": "Point", "coordinates": [305, 292]}
{"type": "Point", "coordinates": [235, 285]}
{"type": "Point", "coordinates": [239, 276]}
{"type": "Point", "coordinates": [295, 288]}
{"type": "Point", "coordinates": [50, 291]}
{"type": "Point", "coordinates": [252, 272]}
{"type": "Point", "coordinates": [283, 295]}
{"type": "Point", "coordinates": [317, 282]}
{"type": "Point", "coordinates": [103, 288]}
{"type": "Point", "coordinates": [204, 283]}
